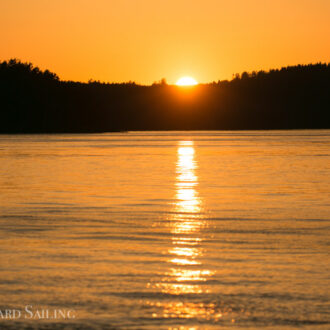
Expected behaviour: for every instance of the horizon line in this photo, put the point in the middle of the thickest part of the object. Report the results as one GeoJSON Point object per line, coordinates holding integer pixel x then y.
{"type": "Point", "coordinates": [163, 80]}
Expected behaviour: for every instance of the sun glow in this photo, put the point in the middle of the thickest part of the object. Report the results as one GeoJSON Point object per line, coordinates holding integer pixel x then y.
{"type": "Point", "coordinates": [186, 81]}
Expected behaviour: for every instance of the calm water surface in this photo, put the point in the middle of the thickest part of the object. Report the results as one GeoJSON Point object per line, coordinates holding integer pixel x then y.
{"type": "Point", "coordinates": [167, 230]}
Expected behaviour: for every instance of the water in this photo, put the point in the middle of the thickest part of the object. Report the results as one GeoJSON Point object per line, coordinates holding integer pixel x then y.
{"type": "Point", "coordinates": [166, 230]}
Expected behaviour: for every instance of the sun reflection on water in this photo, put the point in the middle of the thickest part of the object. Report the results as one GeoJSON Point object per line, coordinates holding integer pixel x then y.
{"type": "Point", "coordinates": [187, 273]}
{"type": "Point", "coordinates": [186, 221]}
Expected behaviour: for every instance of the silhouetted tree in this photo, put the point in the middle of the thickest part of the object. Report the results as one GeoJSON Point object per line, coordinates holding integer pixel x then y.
{"type": "Point", "coordinates": [161, 82]}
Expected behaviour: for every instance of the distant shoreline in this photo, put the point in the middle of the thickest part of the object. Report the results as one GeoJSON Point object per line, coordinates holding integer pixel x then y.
{"type": "Point", "coordinates": [179, 131]}
{"type": "Point", "coordinates": [37, 102]}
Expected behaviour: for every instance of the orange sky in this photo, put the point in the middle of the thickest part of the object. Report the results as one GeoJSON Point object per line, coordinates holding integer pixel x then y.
{"type": "Point", "coordinates": [146, 40]}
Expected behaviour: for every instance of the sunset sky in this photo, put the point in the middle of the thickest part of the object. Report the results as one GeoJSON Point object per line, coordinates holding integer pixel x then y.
{"type": "Point", "coordinates": [146, 40]}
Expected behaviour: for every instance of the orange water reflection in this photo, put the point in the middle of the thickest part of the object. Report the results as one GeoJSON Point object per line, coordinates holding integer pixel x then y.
{"type": "Point", "coordinates": [186, 221]}
{"type": "Point", "coordinates": [186, 273]}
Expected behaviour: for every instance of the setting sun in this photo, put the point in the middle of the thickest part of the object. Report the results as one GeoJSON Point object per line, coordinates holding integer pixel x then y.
{"type": "Point", "coordinates": [186, 81]}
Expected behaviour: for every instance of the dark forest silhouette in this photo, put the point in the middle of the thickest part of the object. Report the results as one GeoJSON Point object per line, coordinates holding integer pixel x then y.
{"type": "Point", "coordinates": [35, 101]}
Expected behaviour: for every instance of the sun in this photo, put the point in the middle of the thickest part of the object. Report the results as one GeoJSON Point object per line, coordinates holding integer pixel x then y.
{"type": "Point", "coordinates": [186, 81]}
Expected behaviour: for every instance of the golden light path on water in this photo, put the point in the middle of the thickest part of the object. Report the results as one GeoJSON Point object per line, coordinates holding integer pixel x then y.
{"type": "Point", "coordinates": [186, 272]}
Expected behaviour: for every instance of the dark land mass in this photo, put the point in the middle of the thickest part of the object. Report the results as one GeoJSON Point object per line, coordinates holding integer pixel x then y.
{"type": "Point", "coordinates": [35, 101]}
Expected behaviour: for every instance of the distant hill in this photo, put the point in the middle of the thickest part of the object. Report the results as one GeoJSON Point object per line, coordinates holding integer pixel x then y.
{"type": "Point", "coordinates": [35, 101]}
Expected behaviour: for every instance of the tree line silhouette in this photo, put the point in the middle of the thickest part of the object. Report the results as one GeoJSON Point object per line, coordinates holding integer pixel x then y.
{"type": "Point", "coordinates": [36, 101]}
